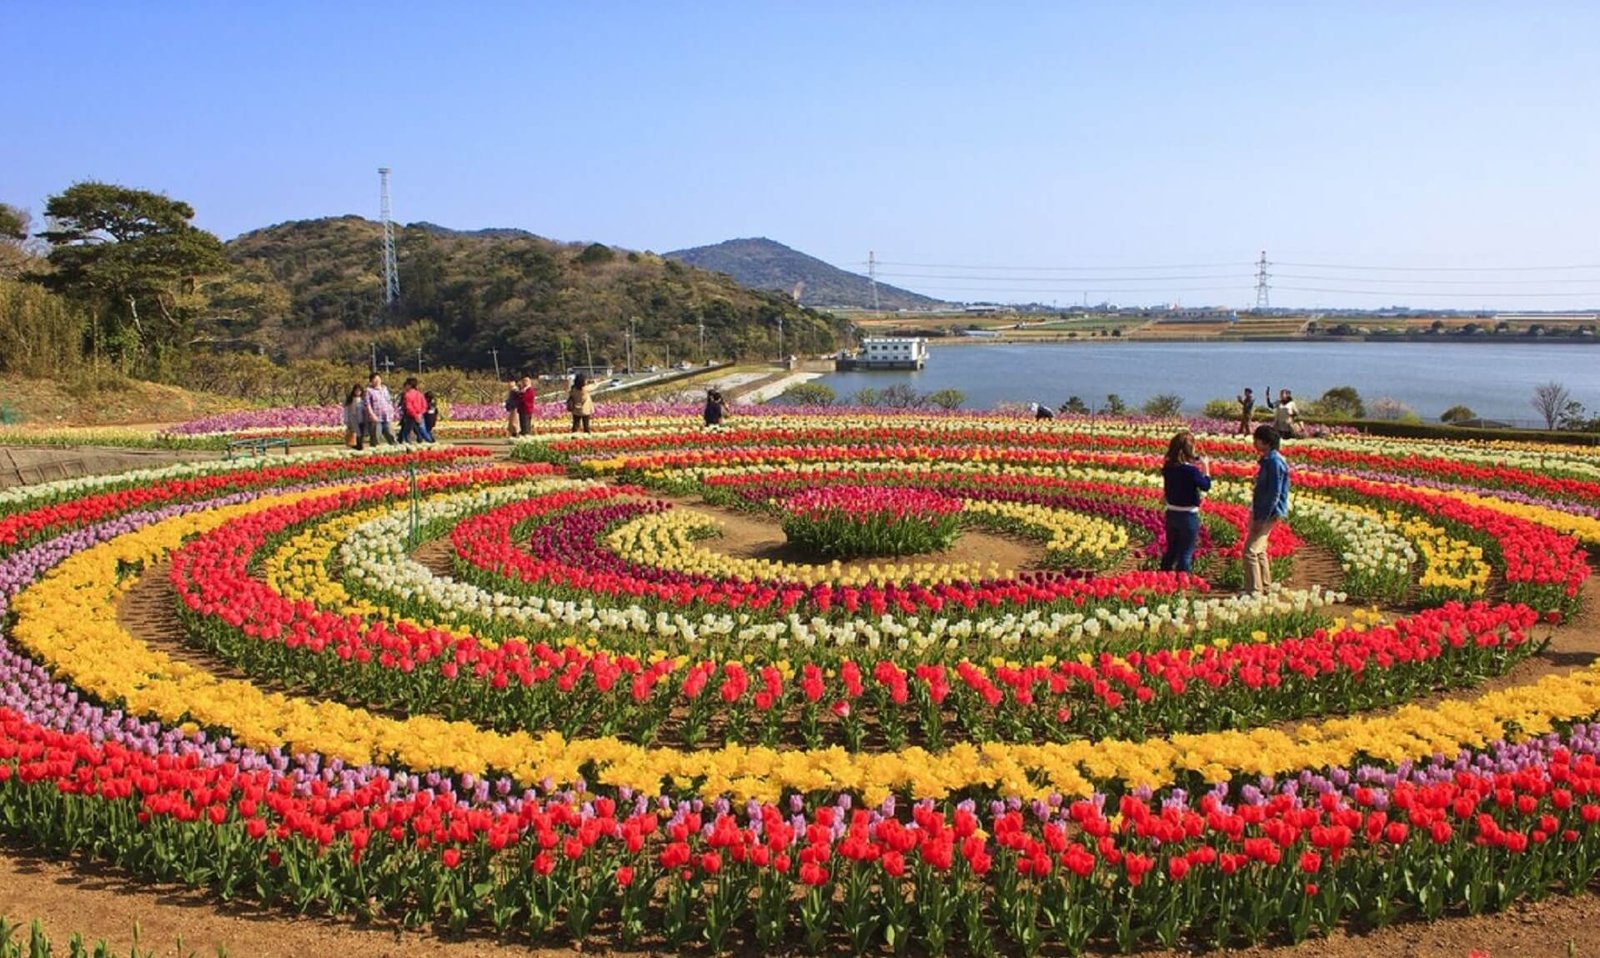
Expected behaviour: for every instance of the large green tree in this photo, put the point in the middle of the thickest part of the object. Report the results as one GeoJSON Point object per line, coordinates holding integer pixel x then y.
{"type": "Point", "coordinates": [134, 260]}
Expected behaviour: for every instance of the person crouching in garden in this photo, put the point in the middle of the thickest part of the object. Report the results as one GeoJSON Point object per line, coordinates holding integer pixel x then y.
{"type": "Point", "coordinates": [1269, 502]}
{"type": "Point", "coordinates": [1184, 476]}
{"type": "Point", "coordinates": [716, 406]}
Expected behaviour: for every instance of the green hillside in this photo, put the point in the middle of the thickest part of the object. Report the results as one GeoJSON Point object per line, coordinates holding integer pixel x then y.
{"type": "Point", "coordinates": [314, 288]}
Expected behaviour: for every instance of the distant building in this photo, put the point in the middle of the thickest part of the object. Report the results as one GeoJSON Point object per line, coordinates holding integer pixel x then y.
{"type": "Point", "coordinates": [888, 352]}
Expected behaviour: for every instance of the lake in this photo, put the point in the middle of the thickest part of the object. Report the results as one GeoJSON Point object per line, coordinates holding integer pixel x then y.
{"type": "Point", "coordinates": [1495, 380]}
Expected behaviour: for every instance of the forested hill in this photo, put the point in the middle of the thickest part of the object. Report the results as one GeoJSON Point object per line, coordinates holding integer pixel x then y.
{"type": "Point", "coordinates": [761, 263]}
{"type": "Point", "coordinates": [314, 288]}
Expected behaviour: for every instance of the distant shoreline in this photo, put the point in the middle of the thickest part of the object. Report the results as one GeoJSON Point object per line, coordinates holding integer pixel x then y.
{"type": "Point", "coordinates": [942, 341]}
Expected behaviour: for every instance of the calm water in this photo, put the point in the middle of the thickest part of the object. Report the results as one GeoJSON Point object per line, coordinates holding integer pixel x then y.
{"type": "Point", "coordinates": [1495, 381]}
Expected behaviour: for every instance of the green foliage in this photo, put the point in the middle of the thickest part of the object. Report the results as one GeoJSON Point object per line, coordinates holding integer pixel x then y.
{"type": "Point", "coordinates": [1340, 402]}
{"type": "Point", "coordinates": [1163, 406]}
{"type": "Point", "coordinates": [809, 394]}
{"type": "Point", "coordinates": [1075, 404]}
{"type": "Point", "coordinates": [132, 260]}
{"type": "Point", "coordinates": [41, 334]}
{"type": "Point", "coordinates": [866, 396]}
{"type": "Point", "coordinates": [902, 396]}
{"type": "Point", "coordinates": [13, 223]}
{"type": "Point", "coordinates": [1457, 414]}
{"type": "Point", "coordinates": [1554, 403]}
{"type": "Point", "coordinates": [541, 305]}
{"type": "Point", "coordinates": [947, 398]}
{"type": "Point", "coordinates": [1114, 405]}
{"type": "Point", "coordinates": [596, 253]}
{"type": "Point", "coordinates": [1221, 409]}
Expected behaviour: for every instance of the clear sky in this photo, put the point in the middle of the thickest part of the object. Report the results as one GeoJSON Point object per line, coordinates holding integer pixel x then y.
{"type": "Point", "coordinates": [1134, 152]}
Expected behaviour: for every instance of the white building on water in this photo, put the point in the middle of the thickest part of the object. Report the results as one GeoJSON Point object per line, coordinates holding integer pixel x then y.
{"type": "Point", "coordinates": [888, 352]}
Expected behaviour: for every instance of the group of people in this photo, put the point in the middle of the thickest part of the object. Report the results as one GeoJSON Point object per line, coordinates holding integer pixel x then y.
{"type": "Point", "coordinates": [370, 412]}
{"type": "Point", "coordinates": [1185, 475]}
{"type": "Point", "coordinates": [1285, 414]}
{"type": "Point", "coordinates": [522, 397]}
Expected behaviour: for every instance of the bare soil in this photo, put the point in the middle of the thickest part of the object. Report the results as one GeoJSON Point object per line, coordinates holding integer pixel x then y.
{"type": "Point", "coordinates": [103, 902]}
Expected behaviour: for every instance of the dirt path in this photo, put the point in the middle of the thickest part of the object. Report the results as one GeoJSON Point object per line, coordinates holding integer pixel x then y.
{"type": "Point", "coordinates": [102, 902]}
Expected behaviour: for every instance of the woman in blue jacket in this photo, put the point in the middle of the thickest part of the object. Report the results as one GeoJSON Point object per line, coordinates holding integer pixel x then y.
{"type": "Point", "coordinates": [1184, 476]}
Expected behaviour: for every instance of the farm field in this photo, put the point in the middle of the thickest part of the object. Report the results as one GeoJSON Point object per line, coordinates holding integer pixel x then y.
{"type": "Point", "coordinates": [811, 682]}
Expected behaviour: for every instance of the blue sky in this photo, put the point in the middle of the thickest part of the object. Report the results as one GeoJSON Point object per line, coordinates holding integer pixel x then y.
{"type": "Point", "coordinates": [1008, 152]}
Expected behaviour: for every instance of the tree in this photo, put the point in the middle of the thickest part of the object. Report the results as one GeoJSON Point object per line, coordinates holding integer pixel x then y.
{"type": "Point", "coordinates": [1551, 401]}
{"type": "Point", "coordinates": [1163, 406]}
{"type": "Point", "coordinates": [867, 396]}
{"type": "Point", "coordinates": [947, 398]}
{"type": "Point", "coordinates": [902, 396]}
{"type": "Point", "coordinates": [1457, 414]}
{"type": "Point", "coordinates": [15, 257]}
{"type": "Point", "coordinates": [1076, 405]}
{"type": "Point", "coordinates": [134, 261]}
{"type": "Point", "coordinates": [1341, 402]}
{"type": "Point", "coordinates": [1114, 405]}
{"type": "Point", "coordinates": [808, 394]}
{"type": "Point", "coordinates": [1392, 410]}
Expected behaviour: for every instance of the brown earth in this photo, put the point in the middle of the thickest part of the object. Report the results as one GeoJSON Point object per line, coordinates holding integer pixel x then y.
{"type": "Point", "coordinates": [89, 400]}
{"type": "Point", "coordinates": [103, 902]}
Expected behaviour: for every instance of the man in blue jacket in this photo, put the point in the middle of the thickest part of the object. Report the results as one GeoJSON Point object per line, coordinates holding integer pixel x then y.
{"type": "Point", "coordinates": [1268, 503]}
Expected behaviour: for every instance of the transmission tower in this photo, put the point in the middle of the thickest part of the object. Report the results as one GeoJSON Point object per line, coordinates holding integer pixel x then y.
{"type": "Point", "coordinates": [391, 272]}
{"type": "Point", "coordinates": [1261, 281]}
{"type": "Point", "coordinates": [872, 274]}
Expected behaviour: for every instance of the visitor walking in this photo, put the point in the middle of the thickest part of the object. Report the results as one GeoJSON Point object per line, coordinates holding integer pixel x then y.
{"type": "Point", "coordinates": [716, 407]}
{"type": "Point", "coordinates": [354, 403]}
{"type": "Point", "coordinates": [513, 404]}
{"type": "Point", "coordinates": [580, 402]}
{"type": "Point", "coordinates": [1269, 502]}
{"type": "Point", "coordinates": [1247, 407]}
{"type": "Point", "coordinates": [430, 416]}
{"type": "Point", "coordinates": [378, 411]}
{"type": "Point", "coordinates": [1184, 476]}
{"type": "Point", "coordinates": [527, 399]}
{"type": "Point", "coordinates": [413, 406]}
{"type": "Point", "coordinates": [1285, 415]}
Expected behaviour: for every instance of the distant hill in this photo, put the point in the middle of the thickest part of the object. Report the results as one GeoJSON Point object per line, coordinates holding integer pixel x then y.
{"type": "Point", "coordinates": [761, 263]}
{"type": "Point", "coordinates": [314, 289]}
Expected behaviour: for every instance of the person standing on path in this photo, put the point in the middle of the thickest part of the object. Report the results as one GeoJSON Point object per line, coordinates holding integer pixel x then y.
{"type": "Point", "coordinates": [1269, 502]}
{"type": "Point", "coordinates": [1247, 407]}
{"type": "Point", "coordinates": [513, 405]}
{"type": "Point", "coordinates": [1184, 476]}
{"type": "Point", "coordinates": [379, 411]}
{"type": "Point", "coordinates": [413, 406]}
{"type": "Point", "coordinates": [354, 414]}
{"type": "Point", "coordinates": [580, 402]}
{"type": "Point", "coordinates": [527, 399]}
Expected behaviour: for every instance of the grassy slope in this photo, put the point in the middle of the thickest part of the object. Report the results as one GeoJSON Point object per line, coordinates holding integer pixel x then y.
{"type": "Point", "coordinates": [86, 401]}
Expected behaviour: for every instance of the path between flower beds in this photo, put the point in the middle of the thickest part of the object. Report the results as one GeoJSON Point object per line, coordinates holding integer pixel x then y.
{"type": "Point", "coordinates": [102, 902]}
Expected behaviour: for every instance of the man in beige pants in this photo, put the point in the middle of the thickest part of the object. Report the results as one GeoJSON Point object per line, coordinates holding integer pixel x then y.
{"type": "Point", "coordinates": [1269, 502]}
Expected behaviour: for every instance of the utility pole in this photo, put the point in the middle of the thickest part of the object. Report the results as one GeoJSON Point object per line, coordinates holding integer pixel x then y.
{"type": "Point", "coordinates": [495, 355]}
{"type": "Point", "coordinates": [781, 353]}
{"type": "Point", "coordinates": [702, 340]}
{"type": "Point", "coordinates": [374, 366]}
{"type": "Point", "coordinates": [588, 357]}
{"type": "Point", "coordinates": [419, 360]}
{"type": "Point", "coordinates": [630, 344]}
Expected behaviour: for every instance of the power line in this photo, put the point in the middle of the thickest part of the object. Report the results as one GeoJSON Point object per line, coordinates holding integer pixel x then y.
{"type": "Point", "coordinates": [1439, 269]}
{"type": "Point", "coordinates": [1442, 282]}
{"type": "Point", "coordinates": [1064, 269]}
{"type": "Point", "coordinates": [1393, 292]}
{"type": "Point", "coordinates": [1057, 279]}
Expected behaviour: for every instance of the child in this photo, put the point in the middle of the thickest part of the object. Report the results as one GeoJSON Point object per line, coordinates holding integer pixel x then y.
{"type": "Point", "coordinates": [430, 418]}
{"type": "Point", "coordinates": [354, 406]}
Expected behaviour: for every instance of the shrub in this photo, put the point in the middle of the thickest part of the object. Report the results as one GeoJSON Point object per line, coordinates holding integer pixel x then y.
{"type": "Point", "coordinates": [1163, 406]}
{"type": "Point", "coordinates": [1221, 409]}
{"type": "Point", "coordinates": [1457, 414]}
{"type": "Point", "coordinates": [946, 398]}
{"type": "Point", "coordinates": [1389, 409]}
{"type": "Point", "coordinates": [1341, 402]}
{"type": "Point", "coordinates": [809, 394]}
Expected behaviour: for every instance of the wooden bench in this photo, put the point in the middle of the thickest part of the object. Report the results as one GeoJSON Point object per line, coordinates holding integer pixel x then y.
{"type": "Point", "coordinates": [256, 446]}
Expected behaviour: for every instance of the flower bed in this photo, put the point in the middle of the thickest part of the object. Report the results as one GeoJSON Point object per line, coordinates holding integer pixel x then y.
{"type": "Point", "coordinates": [577, 718]}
